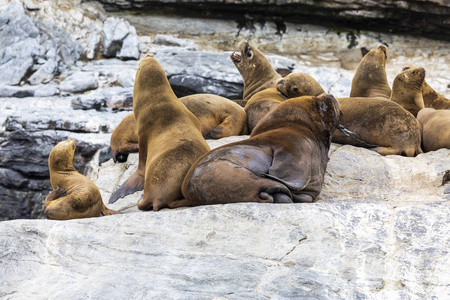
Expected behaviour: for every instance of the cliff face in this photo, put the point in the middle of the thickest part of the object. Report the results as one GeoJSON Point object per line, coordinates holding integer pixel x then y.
{"type": "Point", "coordinates": [430, 18]}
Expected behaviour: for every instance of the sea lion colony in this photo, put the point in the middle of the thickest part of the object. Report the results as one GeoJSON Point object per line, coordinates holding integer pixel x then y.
{"type": "Point", "coordinates": [291, 122]}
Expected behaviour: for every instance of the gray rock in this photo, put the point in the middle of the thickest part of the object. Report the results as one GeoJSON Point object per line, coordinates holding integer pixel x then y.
{"type": "Point", "coordinates": [46, 90]}
{"type": "Point", "coordinates": [119, 39]}
{"type": "Point", "coordinates": [13, 72]}
{"type": "Point", "coordinates": [326, 250]}
{"type": "Point", "coordinates": [17, 91]}
{"type": "Point", "coordinates": [130, 46]}
{"type": "Point", "coordinates": [44, 73]}
{"type": "Point", "coordinates": [89, 101]}
{"type": "Point", "coordinates": [168, 40]}
{"type": "Point", "coordinates": [78, 83]}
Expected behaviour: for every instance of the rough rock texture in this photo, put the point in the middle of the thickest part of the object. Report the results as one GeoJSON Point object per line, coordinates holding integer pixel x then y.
{"type": "Point", "coordinates": [349, 245]}
{"type": "Point", "coordinates": [119, 39]}
{"type": "Point", "coordinates": [384, 15]}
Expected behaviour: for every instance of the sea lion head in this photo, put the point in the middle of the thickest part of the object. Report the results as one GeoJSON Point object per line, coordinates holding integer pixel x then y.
{"type": "Point", "coordinates": [411, 77]}
{"type": "Point", "coordinates": [61, 156]}
{"type": "Point", "coordinates": [299, 84]}
{"type": "Point", "coordinates": [249, 60]}
{"type": "Point", "coordinates": [150, 74]}
{"type": "Point", "coordinates": [379, 54]}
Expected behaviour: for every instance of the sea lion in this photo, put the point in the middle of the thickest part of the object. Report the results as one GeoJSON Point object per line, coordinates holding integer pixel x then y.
{"type": "Point", "coordinates": [260, 104]}
{"type": "Point", "coordinates": [431, 98]}
{"type": "Point", "coordinates": [299, 84]}
{"type": "Point", "coordinates": [256, 71]}
{"type": "Point", "coordinates": [370, 78]}
{"type": "Point", "coordinates": [435, 128]}
{"type": "Point", "coordinates": [379, 122]}
{"type": "Point", "coordinates": [219, 117]}
{"type": "Point", "coordinates": [74, 196]}
{"type": "Point", "coordinates": [170, 140]}
{"type": "Point", "coordinates": [124, 139]}
{"type": "Point", "coordinates": [283, 161]}
{"type": "Point", "coordinates": [407, 89]}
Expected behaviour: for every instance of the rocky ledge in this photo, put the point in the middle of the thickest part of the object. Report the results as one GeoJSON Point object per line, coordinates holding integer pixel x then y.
{"type": "Point", "coordinates": [379, 231]}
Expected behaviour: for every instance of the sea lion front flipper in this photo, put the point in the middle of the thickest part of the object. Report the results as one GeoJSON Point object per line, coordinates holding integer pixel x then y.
{"type": "Point", "coordinates": [133, 184]}
{"type": "Point", "coordinates": [57, 193]}
{"type": "Point", "coordinates": [294, 171]}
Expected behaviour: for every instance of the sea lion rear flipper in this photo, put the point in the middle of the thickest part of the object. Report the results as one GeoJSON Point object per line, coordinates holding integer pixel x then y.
{"type": "Point", "coordinates": [447, 190]}
{"type": "Point", "coordinates": [294, 171]}
{"type": "Point", "coordinates": [133, 184]}
{"type": "Point", "coordinates": [107, 212]}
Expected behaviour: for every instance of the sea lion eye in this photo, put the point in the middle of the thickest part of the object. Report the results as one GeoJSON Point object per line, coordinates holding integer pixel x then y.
{"type": "Point", "coordinates": [249, 54]}
{"type": "Point", "coordinates": [57, 161]}
{"type": "Point", "coordinates": [295, 89]}
{"type": "Point", "coordinates": [414, 72]}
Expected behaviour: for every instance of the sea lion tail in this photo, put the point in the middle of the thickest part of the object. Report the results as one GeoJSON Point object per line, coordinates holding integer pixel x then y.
{"type": "Point", "coordinates": [133, 184]}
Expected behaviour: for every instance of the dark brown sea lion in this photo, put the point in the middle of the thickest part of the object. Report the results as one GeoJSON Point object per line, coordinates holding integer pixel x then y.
{"type": "Point", "coordinates": [283, 161]}
{"type": "Point", "coordinates": [170, 140]}
{"type": "Point", "coordinates": [124, 139]}
{"type": "Point", "coordinates": [299, 84]}
{"type": "Point", "coordinates": [74, 195]}
{"type": "Point", "coordinates": [435, 128]}
{"type": "Point", "coordinates": [431, 98]}
{"type": "Point", "coordinates": [256, 71]}
{"type": "Point", "coordinates": [260, 104]}
{"type": "Point", "coordinates": [379, 122]}
{"type": "Point", "coordinates": [370, 78]}
{"type": "Point", "coordinates": [407, 89]}
{"type": "Point", "coordinates": [219, 117]}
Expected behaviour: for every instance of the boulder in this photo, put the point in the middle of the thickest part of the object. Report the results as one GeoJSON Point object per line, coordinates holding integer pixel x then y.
{"type": "Point", "coordinates": [78, 82]}
{"type": "Point", "coordinates": [119, 39]}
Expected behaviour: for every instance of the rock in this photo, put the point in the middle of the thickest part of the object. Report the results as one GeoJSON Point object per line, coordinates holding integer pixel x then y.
{"type": "Point", "coordinates": [385, 15]}
{"type": "Point", "coordinates": [44, 73]}
{"type": "Point", "coordinates": [168, 40]}
{"type": "Point", "coordinates": [78, 83]}
{"type": "Point", "coordinates": [89, 101]}
{"type": "Point", "coordinates": [325, 250]}
{"type": "Point", "coordinates": [119, 39]}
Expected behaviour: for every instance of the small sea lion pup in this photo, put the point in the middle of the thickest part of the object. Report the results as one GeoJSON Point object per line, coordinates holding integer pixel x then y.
{"type": "Point", "coordinates": [299, 84]}
{"type": "Point", "coordinates": [431, 98]}
{"type": "Point", "coordinates": [436, 128]}
{"type": "Point", "coordinates": [370, 78]}
{"type": "Point", "coordinates": [74, 196]}
{"type": "Point", "coordinates": [219, 117]}
{"type": "Point", "coordinates": [256, 71]}
{"type": "Point", "coordinates": [283, 161]}
{"type": "Point", "coordinates": [170, 140]}
{"type": "Point", "coordinates": [407, 89]}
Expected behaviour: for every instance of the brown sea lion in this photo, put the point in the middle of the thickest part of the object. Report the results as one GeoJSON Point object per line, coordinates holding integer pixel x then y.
{"type": "Point", "coordinates": [124, 139]}
{"type": "Point", "coordinates": [431, 98]}
{"type": "Point", "coordinates": [379, 122]}
{"type": "Point", "coordinates": [407, 89]}
{"type": "Point", "coordinates": [219, 117]}
{"type": "Point", "coordinates": [260, 104]}
{"type": "Point", "coordinates": [370, 78]}
{"type": "Point", "coordinates": [283, 161]}
{"type": "Point", "coordinates": [170, 140]}
{"type": "Point", "coordinates": [74, 196]}
{"type": "Point", "coordinates": [435, 128]}
{"type": "Point", "coordinates": [256, 71]}
{"type": "Point", "coordinates": [299, 84]}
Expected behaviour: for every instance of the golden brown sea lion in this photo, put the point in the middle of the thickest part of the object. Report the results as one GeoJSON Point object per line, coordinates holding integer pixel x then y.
{"type": "Point", "coordinates": [379, 122]}
{"type": "Point", "coordinates": [283, 161]}
{"type": "Point", "coordinates": [74, 196]}
{"type": "Point", "coordinates": [407, 89]}
{"type": "Point", "coordinates": [170, 140]}
{"type": "Point", "coordinates": [256, 71]}
{"type": "Point", "coordinates": [431, 98]}
{"type": "Point", "coordinates": [370, 78]}
{"type": "Point", "coordinates": [124, 139]}
{"type": "Point", "coordinates": [299, 84]}
{"type": "Point", "coordinates": [435, 128]}
{"type": "Point", "coordinates": [219, 117]}
{"type": "Point", "coordinates": [260, 104]}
